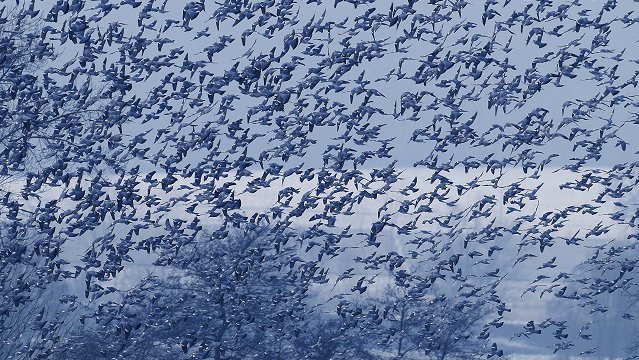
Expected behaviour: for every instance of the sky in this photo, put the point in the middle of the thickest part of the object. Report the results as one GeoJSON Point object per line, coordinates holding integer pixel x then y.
{"type": "Point", "coordinates": [400, 132]}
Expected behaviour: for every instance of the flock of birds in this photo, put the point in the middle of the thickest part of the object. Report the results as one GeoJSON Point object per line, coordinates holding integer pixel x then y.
{"type": "Point", "coordinates": [137, 126]}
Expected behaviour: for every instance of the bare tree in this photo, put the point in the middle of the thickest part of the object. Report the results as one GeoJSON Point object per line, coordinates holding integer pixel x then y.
{"type": "Point", "coordinates": [40, 123]}
{"type": "Point", "coordinates": [241, 297]}
{"type": "Point", "coordinates": [326, 336]}
{"type": "Point", "coordinates": [413, 324]}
